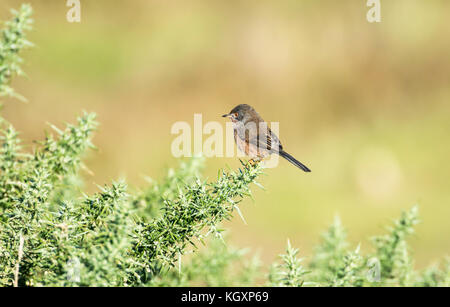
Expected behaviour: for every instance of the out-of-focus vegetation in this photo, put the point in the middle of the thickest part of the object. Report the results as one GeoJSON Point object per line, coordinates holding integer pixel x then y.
{"type": "Point", "coordinates": [365, 105]}
{"type": "Point", "coordinates": [13, 41]}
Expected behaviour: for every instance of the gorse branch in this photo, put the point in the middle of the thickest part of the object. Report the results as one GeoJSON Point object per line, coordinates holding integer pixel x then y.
{"type": "Point", "coordinates": [349, 272]}
{"type": "Point", "coordinates": [330, 255]}
{"type": "Point", "coordinates": [290, 273]}
{"type": "Point", "coordinates": [392, 249]}
{"type": "Point", "coordinates": [152, 198]}
{"type": "Point", "coordinates": [202, 206]}
{"type": "Point", "coordinates": [12, 42]}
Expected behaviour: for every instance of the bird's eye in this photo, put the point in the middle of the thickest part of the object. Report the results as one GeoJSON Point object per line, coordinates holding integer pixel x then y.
{"type": "Point", "coordinates": [236, 114]}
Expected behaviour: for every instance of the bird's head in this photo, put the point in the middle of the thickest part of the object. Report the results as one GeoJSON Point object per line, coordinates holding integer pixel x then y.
{"type": "Point", "coordinates": [242, 112]}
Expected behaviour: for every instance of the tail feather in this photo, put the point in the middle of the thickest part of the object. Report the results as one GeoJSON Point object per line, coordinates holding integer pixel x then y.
{"type": "Point", "coordinates": [294, 161]}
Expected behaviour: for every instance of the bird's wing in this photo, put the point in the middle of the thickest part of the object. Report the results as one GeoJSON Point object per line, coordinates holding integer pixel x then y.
{"type": "Point", "coordinates": [265, 139]}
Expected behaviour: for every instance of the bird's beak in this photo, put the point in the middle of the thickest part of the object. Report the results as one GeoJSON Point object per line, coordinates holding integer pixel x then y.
{"type": "Point", "coordinates": [226, 115]}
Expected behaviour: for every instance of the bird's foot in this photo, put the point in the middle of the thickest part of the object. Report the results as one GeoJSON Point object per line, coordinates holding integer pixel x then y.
{"type": "Point", "coordinates": [253, 162]}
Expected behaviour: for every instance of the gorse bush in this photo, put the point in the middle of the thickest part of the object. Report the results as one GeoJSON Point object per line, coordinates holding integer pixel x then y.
{"type": "Point", "coordinates": [52, 234]}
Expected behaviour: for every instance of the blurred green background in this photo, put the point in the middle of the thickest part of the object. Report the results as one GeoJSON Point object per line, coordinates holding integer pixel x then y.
{"type": "Point", "coordinates": [366, 106]}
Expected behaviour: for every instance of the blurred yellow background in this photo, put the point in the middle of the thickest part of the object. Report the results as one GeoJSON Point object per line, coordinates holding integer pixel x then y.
{"type": "Point", "coordinates": [365, 105]}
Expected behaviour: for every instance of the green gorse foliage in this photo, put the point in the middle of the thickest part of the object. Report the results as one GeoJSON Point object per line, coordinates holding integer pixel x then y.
{"type": "Point", "coordinates": [349, 271]}
{"type": "Point", "coordinates": [27, 183]}
{"type": "Point", "coordinates": [12, 42]}
{"type": "Point", "coordinates": [434, 276]}
{"type": "Point", "coordinates": [333, 264]}
{"type": "Point", "coordinates": [52, 234]}
{"type": "Point", "coordinates": [392, 249]}
{"type": "Point", "coordinates": [330, 255]}
{"type": "Point", "coordinates": [200, 206]}
{"type": "Point", "coordinates": [218, 265]}
{"type": "Point", "coordinates": [290, 272]}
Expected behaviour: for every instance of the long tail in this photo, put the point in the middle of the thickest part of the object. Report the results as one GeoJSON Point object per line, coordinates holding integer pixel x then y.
{"type": "Point", "coordinates": [293, 161]}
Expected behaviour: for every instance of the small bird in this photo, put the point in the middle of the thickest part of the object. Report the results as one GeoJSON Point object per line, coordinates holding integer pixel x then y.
{"type": "Point", "coordinates": [253, 136]}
